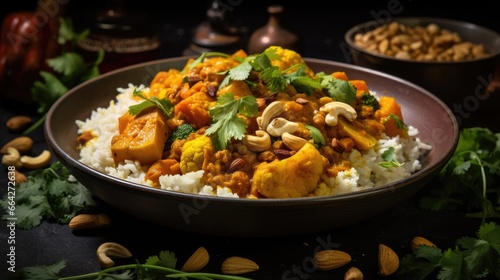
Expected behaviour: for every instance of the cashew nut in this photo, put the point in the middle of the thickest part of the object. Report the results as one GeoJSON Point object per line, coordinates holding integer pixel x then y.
{"type": "Point", "coordinates": [36, 162]}
{"type": "Point", "coordinates": [278, 126]}
{"type": "Point", "coordinates": [272, 110]}
{"type": "Point", "coordinates": [259, 142]}
{"type": "Point", "coordinates": [110, 249]}
{"type": "Point", "coordinates": [292, 141]}
{"type": "Point", "coordinates": [336, 108]}
{"type": "Point", "coordinates": [12, 158]}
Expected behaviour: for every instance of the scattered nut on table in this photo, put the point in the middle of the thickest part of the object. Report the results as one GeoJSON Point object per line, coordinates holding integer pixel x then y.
{"type": "Point", "coordinates": [109, 250]}
{"type": "Point", "coordinates": [388, 260]}
{"type": "Point", "coordinates": [238, 265]}
{"type": "Point", "coordinates": [330, 259]}
{"type": "Point", "coordinates": [198, 260]}
{"type": "Point", "coordinates": [88, 221]}
{"type": "Point", "coordinates": [18, 123]}
{"type": "Point", "coordinates": [23, 144]}
{"type": "Point", "coordinates": [42, 160]}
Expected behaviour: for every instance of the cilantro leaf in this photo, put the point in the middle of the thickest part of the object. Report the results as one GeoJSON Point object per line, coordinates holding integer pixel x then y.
{"type": "Point", "coordinates": [43, 271]}
{"type": "Point", "coordinates": [316, 135]}
{"type": "Point", "coordinates": [164, 104]}
{"type": "Point", "coordinates": [390, 158]}
{"type": "Point", "coordinates": [471, 258]}
{"type": "Point", "coordinates": [470, 173]}
{"type": "Point", "coordinates": [47, 92]}
{"type": "Point", "coordinates": [339, 90]}
{"type": "Point", "coordinates": [225, 120]}
{"type": "Point", "coordinates": [50, 193]}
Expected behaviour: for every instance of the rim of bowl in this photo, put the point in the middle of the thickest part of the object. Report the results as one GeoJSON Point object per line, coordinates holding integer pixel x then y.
{"type": "Point", "coordinates": [369, 25]}
{"type": "Point", "coordinates": [68, 160]}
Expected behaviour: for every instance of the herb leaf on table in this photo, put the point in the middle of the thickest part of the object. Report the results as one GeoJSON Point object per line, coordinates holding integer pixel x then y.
{"type": "Point", "coordinates": [472, 258]}
{"type": "Point", "coordinates": [470, 179]}
{"type": "Point", "coordinates": [50, 193]}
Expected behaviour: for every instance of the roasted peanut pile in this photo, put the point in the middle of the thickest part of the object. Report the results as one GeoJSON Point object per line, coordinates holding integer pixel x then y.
{"type": "Point", "coordinates": [429, 43]}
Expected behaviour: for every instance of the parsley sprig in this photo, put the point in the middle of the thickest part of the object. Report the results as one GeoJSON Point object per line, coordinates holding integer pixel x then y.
{"type": "Point", "coordinates": [50, 193]}
{"type": "Point", "coordinates": [159, 266]}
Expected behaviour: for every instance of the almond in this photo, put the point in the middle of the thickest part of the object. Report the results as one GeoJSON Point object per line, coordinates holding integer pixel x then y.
{"type": "Point", "coordinates": [197, 261]}
{"type": "Point", "coordinates": [353, 273]}
{"type": "Point", "coordinates": [388, 260]}
{"type": "Point", "coordinates": [23, 144]}
{"type": "Point", "coordinates": [18, 123]}
{"type": "Point", "coordinates": [330, 259]}
{"type": "Point", "coordinates": [418, 240]}
{"type": "Point", "coordinates": [238, 265]}
{"type": "Point", "coordinates": [85, 221]}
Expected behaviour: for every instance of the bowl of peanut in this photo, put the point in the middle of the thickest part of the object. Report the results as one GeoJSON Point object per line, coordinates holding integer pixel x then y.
{"type": "Point", "coordinates": [452, 59]}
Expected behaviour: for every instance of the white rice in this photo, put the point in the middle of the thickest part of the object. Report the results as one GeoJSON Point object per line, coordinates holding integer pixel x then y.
{"type": "Point", "coordinates": [366, 171]}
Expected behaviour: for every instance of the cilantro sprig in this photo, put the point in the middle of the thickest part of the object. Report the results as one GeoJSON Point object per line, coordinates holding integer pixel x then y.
{"type": "Point", "coordinates": [472, 258]}
{"type": "Point", "coordinates": [470, 179]}
{"type": "Point", "coordinates": [159, 266]}
{"type": "Point", "coordinates": [164, 104]}
{"type": "Point", "coordinates": [227, 124]}
{"type": "Point", "coordinates": [390, 158]}
{"type": "Point", "coordinates": [69, 70]}
{"type": "Point", "coordinates": [50, 193]}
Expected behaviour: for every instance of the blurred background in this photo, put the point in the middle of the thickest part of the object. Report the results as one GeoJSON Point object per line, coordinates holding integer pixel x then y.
{"type": "Point", "coordinates": [136, 31]}
{"type": "Point", "coordinates": [319, 24]}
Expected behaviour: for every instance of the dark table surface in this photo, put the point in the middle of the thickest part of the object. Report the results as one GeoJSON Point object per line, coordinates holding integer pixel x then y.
{"type": "Point", "coordinates": [279, 258]}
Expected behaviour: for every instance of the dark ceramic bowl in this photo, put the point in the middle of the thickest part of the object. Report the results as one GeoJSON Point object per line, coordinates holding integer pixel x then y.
{"type": "Point", "coordinates": [461, 83]}
{"type": "Point", "coordinates": [249, 217]}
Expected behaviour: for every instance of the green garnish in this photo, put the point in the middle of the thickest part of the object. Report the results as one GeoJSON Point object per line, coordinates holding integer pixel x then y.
{"type": "Point", "coordinates": [70, 69]}
{"type": "Point", "coordinates": [390, 158]}
{"type": "Point", "coordinates": [49, 193]}
{"type": "Point", "coordinates": [164, 104]}
{"type": "Point", "coordinates": [316, 135]}
{"type": "Point", "coordinates": [338, 89]}
{"type": "Point", "coordinates": [159, 266]}
{"type": "Point", "coordinates": [399, 122]}
{"type": "Point", "coordinates": [472, 258]}
{"type": "Point", "coordinates": [469, 179]}
{"type": "Point", "coordinates": [203, 56]}
{"type": "Point", "coordinates": [225, 120]}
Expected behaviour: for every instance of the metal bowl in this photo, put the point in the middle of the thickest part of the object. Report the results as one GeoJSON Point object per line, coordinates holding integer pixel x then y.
{"type": "Point", "coordinates": [249, 217]}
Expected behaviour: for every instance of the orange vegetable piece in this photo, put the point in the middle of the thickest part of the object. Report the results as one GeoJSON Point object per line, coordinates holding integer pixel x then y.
{"type": "Point", "coordinates": [142, 139]}
{"type": "Point", "coordinates": [194, 109]}
{"type": "Point", "coordinates": [388, 106]}
{"type": "Point", "coordinates": [162, 167]}
{"type": "Point", "coordinates": [360, 85]}
{"type": "Point", "coordinates": [340, 75]}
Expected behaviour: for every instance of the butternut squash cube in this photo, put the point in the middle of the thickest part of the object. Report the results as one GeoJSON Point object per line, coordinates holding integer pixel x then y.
{"type": "Point", "coordinates": [143, 138]}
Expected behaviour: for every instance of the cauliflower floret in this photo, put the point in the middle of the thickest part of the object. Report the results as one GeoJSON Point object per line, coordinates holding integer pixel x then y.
{"type": "Point", "coordinates": [288, 58]}
{"type": "Point", "coordinates": [194, 153]}
{"type": "Point", "coordinates": [296, 176]}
